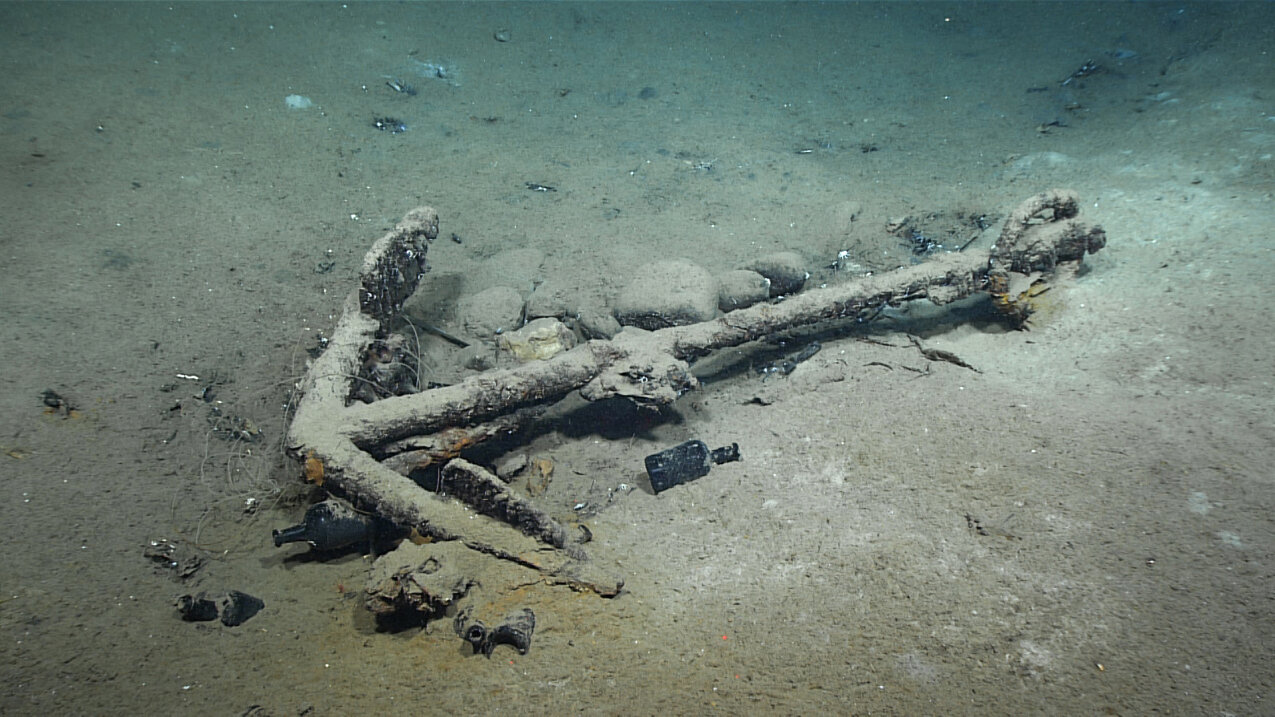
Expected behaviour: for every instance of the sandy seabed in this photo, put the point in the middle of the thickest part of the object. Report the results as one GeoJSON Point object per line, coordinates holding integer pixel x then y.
{"type": "Point", "coordinates": [1084, 527]}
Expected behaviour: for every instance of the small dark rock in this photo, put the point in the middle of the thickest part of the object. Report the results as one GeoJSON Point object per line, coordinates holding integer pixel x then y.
{"type": "Point", "coordinates": [235, 607]}
{"type": "Point", "coordinates": [196, 608]}
{"type": "Point", "coordinates": [238, 608]}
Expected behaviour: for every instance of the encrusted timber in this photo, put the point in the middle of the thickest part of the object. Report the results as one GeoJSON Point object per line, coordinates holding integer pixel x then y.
{"type": "Point", "coordinates": [1042, 232]}
{"type": "Point", "coordinates": [317, 434]}
{"type": "Point", "coordinates": [393, 267]}
{"type": "Point", "coordinates": [646, 366]}
{"type": "Point", "coordinates": [652, 366]}
{"type": "Point", "coordinates": [649, 366]}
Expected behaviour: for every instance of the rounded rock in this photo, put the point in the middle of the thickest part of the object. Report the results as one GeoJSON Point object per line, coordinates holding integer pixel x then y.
{"type": "Point", "coordinates": [741, 289]}
{"type": "Point", "coordinates": [786, 271]}
{"type": "Point", "coordinates": [667, 293]}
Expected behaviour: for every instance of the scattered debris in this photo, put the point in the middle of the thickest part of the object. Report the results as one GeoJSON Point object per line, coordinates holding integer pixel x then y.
{"type": "Point", "coordinates": [982, 529]}
{"type": "Point", "coordinates": [179, 562]}
{"type": "Point", "coordinates": [389, 124]}
{"type": "Point", "coordinates": [1088, 68]}
{"type": "Point", "coordinates": [515, 630]}
{"type": "Point", "coordinates": [56, 403]}
{"type": "Point", "coordinates": [229, 427]}
{"type": "Point", "coordinates": [401, 87]}
{"type": "Point", "coordinates": [940, 355]}
{"type": "Point", "coordinates": [437, 71]}
{"type": "Point", "coordinates": [235, 607]}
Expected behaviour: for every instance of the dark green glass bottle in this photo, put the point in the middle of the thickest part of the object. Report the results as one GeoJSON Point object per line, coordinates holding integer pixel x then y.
{"type": "Point", "coordinates": [330, 525]}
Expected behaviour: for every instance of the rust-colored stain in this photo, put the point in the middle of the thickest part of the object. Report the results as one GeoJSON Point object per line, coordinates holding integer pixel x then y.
{"type": "Point", "coordinates": [313, 469]}
{"type": "Point", "coordinates": [540, 475]}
